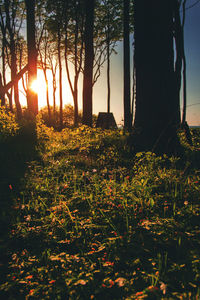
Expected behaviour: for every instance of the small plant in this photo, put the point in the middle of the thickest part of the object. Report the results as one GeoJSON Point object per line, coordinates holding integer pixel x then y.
{"type": "Point", "coordinates": [92, 222]}
{"type": "Point", "coordinates": [8, 124]}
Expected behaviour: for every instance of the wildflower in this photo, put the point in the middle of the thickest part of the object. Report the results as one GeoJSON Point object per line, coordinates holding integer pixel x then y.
{"type": "Point", "coordinates": [94, 170]}
{"type": "Point", "coordinates": [10, 187]}
{"type": "Point", "coordinates": [27, 218]}
{"type": "Point", "coordinates": [31, 292]}
{"type": "Point", "coordinates": [152, 288]}
{"type": "Point", "coordinates": [24, 252]}
{"type": "Point", "coordinates": [81, 281]}
{"type": "Point", "coordinates": [139, 293]}
{"type": "Point", "coordinates": [109, 263]}
{"type": "Point", "coordinates": [29, 277]}
{"type": "Point", "coordinates": [14, 256]}
{"type": "Point", "coordinates": [163, 287]}
{"type": "Point", "coordinates": [51, 281]}
{"type": "Point", "coordinates": [120, 281]}
{"type": "Point", "coordinates": [111, 282]}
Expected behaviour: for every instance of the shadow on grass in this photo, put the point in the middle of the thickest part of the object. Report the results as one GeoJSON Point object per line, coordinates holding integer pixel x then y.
{"type": "Point", "coordinates": [15, 154]}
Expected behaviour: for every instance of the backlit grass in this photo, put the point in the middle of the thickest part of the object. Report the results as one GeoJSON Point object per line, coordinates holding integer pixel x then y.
{"type": "Point", "coordinates": [91, 221]}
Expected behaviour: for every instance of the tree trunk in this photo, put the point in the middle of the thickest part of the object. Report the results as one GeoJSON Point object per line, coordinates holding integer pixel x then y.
{"type": "Point", "coordinates": [127, 100]}
{"type": "Point", "coordinates": [108, 75]}
{"type": "Point", "coordinates": [75, 96]}
{"type": "Point", "coordinates": [2, 94]}
{"type": "Point", "coordinates": [32, 98]}
{"type": "Point", "coordinates": [156, 114]}
{"type": "Point", "coordinates": [54, 97]}
{"type": "Point", "coordinates": [108, 56]}
{"type": "Point", "coordinates": [13, 76]}
{"type": "Point", "coordinates": [184, 69]}
{"type": "Point", "coordinates": [88, 67]}
{"type": "Point", "coordinates": [12, 47]}
{"type": "Point", "coordinates": [47, 96]}
{"type": "Point", "coordinates": [60, 80]}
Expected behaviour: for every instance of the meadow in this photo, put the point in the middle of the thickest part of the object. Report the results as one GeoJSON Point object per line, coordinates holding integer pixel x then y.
{"type": "Point", "coordinates": [82, 217]}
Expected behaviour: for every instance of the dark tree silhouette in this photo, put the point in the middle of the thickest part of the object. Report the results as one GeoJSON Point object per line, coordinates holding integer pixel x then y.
{"type": "Point", "coordinates": [74, 49]}
{"type": "Point", "coordinates": [32, 98]}
{"type": "Point", "coordinates": [88, 66]}
{"type": "Point", "coordinates": [126, 48]}
{"type": "Point", "coordinates": [155, 116]}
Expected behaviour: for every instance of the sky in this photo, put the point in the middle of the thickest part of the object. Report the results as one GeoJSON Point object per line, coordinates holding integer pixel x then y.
{"type": "Point", "coordinates": [192, 50]}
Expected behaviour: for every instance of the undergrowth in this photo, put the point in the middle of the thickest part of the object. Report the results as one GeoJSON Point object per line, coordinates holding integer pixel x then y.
{"type": "Point", "coordinates": [93, 222]}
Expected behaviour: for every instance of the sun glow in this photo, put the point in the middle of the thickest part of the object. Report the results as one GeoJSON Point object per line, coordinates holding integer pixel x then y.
{"type": "Point", "coordinates": [39, 87]}
{"type": "Point", "coordinates": [35, 86]}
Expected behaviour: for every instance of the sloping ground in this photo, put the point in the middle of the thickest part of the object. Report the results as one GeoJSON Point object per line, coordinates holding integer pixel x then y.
{"type": "Point", "coordinates": [91, 221]}
{"type": "Point", "coordinates": [14, 157]}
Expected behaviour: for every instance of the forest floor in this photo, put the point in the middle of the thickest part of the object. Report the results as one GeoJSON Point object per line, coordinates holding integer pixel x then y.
{"type": "Point", "coordinates": [82, 218]}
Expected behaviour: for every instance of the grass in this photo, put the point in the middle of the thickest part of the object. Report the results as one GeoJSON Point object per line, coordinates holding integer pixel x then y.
{"type": "Point", "coordinates": [89, 221]}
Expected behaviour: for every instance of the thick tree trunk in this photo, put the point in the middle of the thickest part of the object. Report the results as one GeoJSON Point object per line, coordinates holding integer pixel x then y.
{"type": "Point", "coordinates": [88, 67]}
{"type": "Point", "coordinates": [156, 112]}
{"type": "Point", "coordinates": [32, 97]}
{"type": "Point", "coordinates": [127, 99]}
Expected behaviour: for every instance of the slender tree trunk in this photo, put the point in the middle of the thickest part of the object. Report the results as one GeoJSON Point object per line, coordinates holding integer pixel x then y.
{"type": "Point", "coordinates": [127, 101]}
{"type": "Point", "coordinates": [32, 98]}
{"type": "Point", "coordinates": [12, 47]}
{"type": "Point", "coordinates": [88, 67]}
{"type": "Point", "coordinates": [2, 94]}
{"type": "Point", "coordinates": [47, 96]}
{"type": "Point", "coordinates": [156, 113]}
{"type": "Point", "coordinates": [53, 72]}
{"type": "Point", "coordinates": [13, 75]}
{"type": "Point", "coordinates": [3, 75]}
{"type": "Point", "coordinates": [75, 101]}
{"type": "Point", "coordinates": [108, 76]}
{"type": "Point", "coordinates": [54, 97]}
{"type": "Point", "coordinates": [60, 80]}
{"type": "Point", "coordinates": [108, 57]}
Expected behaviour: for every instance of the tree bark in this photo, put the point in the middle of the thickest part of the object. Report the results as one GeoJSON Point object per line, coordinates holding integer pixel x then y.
{"type": "Point", "coordinates": [12, 46]}
{"type": "Point", "coordinates": [126, 50]}
{"type": "Point", "coordinates": [32, 97]}
{"type": "Point", "coordinates": [88, 66]}
{"type": "Point", "coordinates": [156, 112]}
{"type": "Point", "coordinates": [60, 79]}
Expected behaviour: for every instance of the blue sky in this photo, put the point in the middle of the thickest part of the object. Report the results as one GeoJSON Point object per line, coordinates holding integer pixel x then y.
{"type": "Point", "coordinates": [192, 49]}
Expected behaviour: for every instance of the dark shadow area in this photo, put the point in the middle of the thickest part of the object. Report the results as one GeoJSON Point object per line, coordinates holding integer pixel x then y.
{"type": "Point", "coordinates": [15, 154]}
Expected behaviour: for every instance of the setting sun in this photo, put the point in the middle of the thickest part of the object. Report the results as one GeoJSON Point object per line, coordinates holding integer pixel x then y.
{"type": "Point", "coordinates": [39, 87]}
{"type": "Point", "coordinates": [35, 86]}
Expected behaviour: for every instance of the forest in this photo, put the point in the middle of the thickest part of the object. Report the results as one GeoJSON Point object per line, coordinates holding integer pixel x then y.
{"type": "Point", "coordinates": [90, 210]}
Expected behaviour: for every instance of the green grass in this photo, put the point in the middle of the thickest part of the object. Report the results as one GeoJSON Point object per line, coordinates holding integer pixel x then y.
{"type": "Point", "coordinates": [91, 221]}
